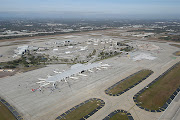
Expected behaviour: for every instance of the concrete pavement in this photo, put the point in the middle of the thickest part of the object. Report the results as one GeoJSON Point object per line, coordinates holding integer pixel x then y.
{"type": "Point", "coordinates": [47, 105]}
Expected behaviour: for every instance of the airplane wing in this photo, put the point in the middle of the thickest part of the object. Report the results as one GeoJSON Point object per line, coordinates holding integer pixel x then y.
{"type": "Point", "coordinates": [41, 79]}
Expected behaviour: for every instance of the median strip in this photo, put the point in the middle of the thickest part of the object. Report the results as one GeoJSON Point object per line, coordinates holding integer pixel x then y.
{"type": "Point", "coordinates": [83, 111]}
{"type": "Point", "coordinates": [156, 96]}
{"type": "Point", "coordinates": [177, 53]}
{"type": "Point", "coordinates": [128, 83]}
{"type": "Point", "coordinates": [119, 115]}
{"type": "Point", "coordinates": [11, 109]}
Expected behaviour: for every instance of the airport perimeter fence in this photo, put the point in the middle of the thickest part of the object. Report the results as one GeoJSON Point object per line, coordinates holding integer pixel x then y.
{"type": "Point", "coordinates": [117, 111]}
{"type": "Point", "coordinates": [62, 116]}
{"type": "Point", "coordinates": [171, 98]}
{"type": "Point", "coordinates": [107, 90]}
{"type": "Point", "coordinates": [11, 109]}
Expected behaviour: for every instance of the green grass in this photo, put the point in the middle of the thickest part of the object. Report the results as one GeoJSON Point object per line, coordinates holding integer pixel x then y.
{"type": "Point", "coordinates": [83, 110]}
{"type": "Point", "coordinates": [5, 114]}
{"type": "Point", "coordinates": [157, 94]}
{"type": "Point", "coordinates": [120, 116]}
{"type": "Point", "coordinates": [129, 82]}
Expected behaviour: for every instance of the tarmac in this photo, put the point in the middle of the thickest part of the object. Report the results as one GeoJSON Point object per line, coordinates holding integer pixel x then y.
{"type": "Point", "coordinates": [173, 110]}
{"type": "Point", "coordinates": [48, 105]}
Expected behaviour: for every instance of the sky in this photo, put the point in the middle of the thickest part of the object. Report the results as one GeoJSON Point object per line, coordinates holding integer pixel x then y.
{"type": "Point", "coordinates": [124, 7]}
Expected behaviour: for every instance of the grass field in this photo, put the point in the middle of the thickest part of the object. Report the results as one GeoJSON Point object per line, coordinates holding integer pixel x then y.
{"type": "Point", "coordinates": [119, 116]}
{"type": "Point", "coordinates": [157, 94]}
{"type": "Point", "coordinates": [129, 82]}
{"type": "Point", "coordinates": [175, 45]}
{"type": "Point", "coordinates": [83, 110]}
{"type": "Point", "coordinates": [5, 114]}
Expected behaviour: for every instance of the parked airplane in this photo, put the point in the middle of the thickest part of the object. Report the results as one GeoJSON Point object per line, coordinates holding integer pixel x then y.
{"type": "Point", "coordinates": [98, 68]}
{"type": "Point", "coordinates": [73, 78]}
{"type": "Point", "coordinates": [40, 82]}
{"type": "Point", "coordinates": [104, 67]}
{"type": "Point", "coordinates": [90, 70]}
{"type": "Point", "coordinates": [83, 75]}
{"type": "Point", "coordinates": [77, 69]}
{"type": "Point", "coordinates": [57, 72]}
{"type": "Point", "coordinates": [41, 79]}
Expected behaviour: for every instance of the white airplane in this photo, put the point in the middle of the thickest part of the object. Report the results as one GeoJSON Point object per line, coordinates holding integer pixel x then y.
{"type": "Point", "coordinates": [73, 78]}
{"type": "Point", "coordinates": [41, 79]}
{"type": "Point", "coordinates": [90, 70]}
{"type": "Point", "coordinates": [98, 68]}
{"type": "Point", "coordinates": [83, 48]}
{"type": "Point", "coordinates": [83, 75]}
{"type": "Point", "coordinates": [40, 82]}
{"type": "Point", "coordinates": [105, 65]}
{"type": "Point", "coordinates": [57, 72]}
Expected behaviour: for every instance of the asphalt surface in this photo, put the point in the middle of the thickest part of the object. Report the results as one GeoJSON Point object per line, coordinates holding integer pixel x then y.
{"type": "Point", "coordinates": [173, 111]}
{"type": "Point", "coordinates": [48, 105]}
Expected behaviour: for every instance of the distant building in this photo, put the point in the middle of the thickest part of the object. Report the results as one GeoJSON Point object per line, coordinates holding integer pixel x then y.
{"type": "Point", "coordinates": [23, 49]}
{"type": "Point", "coordinates": [42, 48]}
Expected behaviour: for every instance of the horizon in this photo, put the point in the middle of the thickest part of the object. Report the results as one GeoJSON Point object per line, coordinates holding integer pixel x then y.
{"type": "Point", "coordinates": [91, 9]}
{"type": "Point", "coordinates": [84, 15]}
